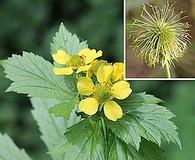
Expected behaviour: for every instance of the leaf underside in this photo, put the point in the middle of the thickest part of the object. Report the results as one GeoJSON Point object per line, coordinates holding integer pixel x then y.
{"type": "Point", "coordinates": [51, 128]}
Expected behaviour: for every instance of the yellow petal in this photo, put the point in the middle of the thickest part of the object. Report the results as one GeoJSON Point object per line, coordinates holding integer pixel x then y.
{"type": "Point", "coordinates": [62, 71]}
{"type": "Point", "coordinates": [83, 68]}
{"type": "Point", "coordinates": [85, 86]}
{"type": "Point", "coordinates": [104, 73]}
{"type": "Point", "coordinates": [118, 71]}
{"type": "Point", "coordinates": [61, 57]}
{"type": "Point", "coordinates": [89, 55]}
{"type": "Point", "coordinates": [90, 71]}
{"type": "Point", "coordinates": [121, 90]}
{"type": "Point", "coordinates": [89, 106]}
{"type": "Point", "coordinates": [112, 110]}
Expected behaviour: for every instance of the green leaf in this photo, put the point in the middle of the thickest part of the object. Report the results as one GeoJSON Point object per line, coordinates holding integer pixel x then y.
{"type": "Point", "coordinates": [144, 118]}
{"type": "Point", "coordinates": [148, 151]}
{"type": "Point", "coordinates": [84, 140]}
{"type": "Point", "coordinates": [121, 150]}
{"type": "Point", "coordinates": [64, 109]}
{"type": "Point", "coordinates": [52, 129]}
{"type": "Point", "coordinates": [66, 41]}
{"type": "Point", "coordinates": [33, 75]}
{"type": "Point", "coordinates": [137, 100]}
{"type": "Point", "coordinates": [9, 151]}
{"type": "Point", "coordinates": [126, 130]}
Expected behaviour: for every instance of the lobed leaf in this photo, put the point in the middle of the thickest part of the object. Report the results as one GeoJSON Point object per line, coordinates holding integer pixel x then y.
{"type": "Point", "coordinates": [144, 118]}
{"type": "Point", "coordinates": [83, 141]}
{"type": "Point", "coordinates": [33, 75]}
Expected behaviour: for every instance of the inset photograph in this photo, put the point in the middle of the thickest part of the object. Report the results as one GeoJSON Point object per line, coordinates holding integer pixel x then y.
{"type": "Point", "coordinates": [160, 39]}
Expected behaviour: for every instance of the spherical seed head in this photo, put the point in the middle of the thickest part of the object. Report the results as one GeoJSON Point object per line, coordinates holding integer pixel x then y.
{"type": "Point", "coordinates": [159, 36]}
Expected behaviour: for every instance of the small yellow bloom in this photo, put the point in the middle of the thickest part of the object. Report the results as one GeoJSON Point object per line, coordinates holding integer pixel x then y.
{"type": "Point", "coordinates": [112, 110]}
{"type": "Point", "coordinates": [89, 106]}
{"type": "Point", "coordinates": [95, 65]}
{"type": "Point", "coordinates": [102, 93]}
{"type": "Point", "coordinates": [118, 72]}
{"type": "Point", "coordinates": [85, 86]}
{"type": "Point", "coordinates": [104, 73]}
{"type": "Point", "coordinates": [79, 62]}
{"type": "Point", "coordinates": [121, 90]}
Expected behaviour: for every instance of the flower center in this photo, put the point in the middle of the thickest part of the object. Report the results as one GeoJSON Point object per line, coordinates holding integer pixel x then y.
{"type": "Point", "coordinates": [102, 93]}
{"type": "Point", "coordinates": [76, 61]}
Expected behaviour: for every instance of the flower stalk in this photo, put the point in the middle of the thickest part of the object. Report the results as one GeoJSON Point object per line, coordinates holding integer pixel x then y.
{"type": "Point", "coordinates": [168, 73]}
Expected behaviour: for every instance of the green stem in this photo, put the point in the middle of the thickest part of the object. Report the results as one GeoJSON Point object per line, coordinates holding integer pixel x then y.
{"type": "Point", "coordinates": [100, 108]}
{"type": "Point", "coordinates": [168, 70]}
{"type": "Point", "coordinates": [104, 133]}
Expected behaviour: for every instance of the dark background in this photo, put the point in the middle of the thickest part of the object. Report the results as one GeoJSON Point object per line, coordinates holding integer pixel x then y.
{"type": "Point", "coordinates": [30, 24]}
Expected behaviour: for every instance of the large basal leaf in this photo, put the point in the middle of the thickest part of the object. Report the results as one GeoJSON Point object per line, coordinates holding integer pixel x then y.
{"type": "Point", "coordinates": [144, 118]}
{"type": "Point", "coordinates": [51, 128]}
{"type": "Point", "coordinates": [67, 41]}
{"type": "Point", "coordinates": [9, 151]}
{"type": "Point", "coordinates": [84, 141]}
{"type": "Point", "coordinates": [33, 75]}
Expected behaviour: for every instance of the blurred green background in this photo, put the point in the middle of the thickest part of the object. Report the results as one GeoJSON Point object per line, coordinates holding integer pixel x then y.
{"type": "Point", "coordinates": [30, 24]}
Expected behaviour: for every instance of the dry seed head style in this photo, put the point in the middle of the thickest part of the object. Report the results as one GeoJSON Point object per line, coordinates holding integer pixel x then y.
{"type": "Point", "coordinates": [98, 82]}
{"type": "Point", "coordinates": [159, 36]}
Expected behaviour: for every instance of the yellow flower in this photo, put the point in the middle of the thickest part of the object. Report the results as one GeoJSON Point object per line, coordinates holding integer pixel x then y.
{"type": "Point", "coordinates": [118, 72]}
{"type": "Point", "coordinates": [79, 62]}
{"type": "Point", "coordinates": [102, 94]}
{"type": "Point", "coordinates": [95, 65]}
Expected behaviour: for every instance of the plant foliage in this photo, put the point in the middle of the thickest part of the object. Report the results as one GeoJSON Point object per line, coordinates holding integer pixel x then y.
{"type": "Point", "coordinates": [136, 136]}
